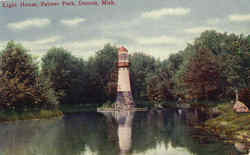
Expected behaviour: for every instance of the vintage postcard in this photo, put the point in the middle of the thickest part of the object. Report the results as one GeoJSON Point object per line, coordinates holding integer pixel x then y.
{"type": "Point", "coordinates": [124, 77]}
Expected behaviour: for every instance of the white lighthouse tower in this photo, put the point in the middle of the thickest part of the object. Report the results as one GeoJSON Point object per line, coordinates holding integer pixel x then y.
{"type": "Point", "coordinates": [124, 98]}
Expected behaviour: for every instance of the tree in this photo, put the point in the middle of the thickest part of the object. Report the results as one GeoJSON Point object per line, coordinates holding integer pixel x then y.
{"type": "Point", "coordinates": [102, 70]}
{"type": "Point", "coordinates": [20, 84]}
{"type": "Point", "coordinates": [141, 66]}
{"type": "Point", "coordinates": [159, 87]}
{"type": "Point", "coordinates": [67, 74]}
{"type": "Point", "coordinates": [232, 56]}
{"type": "Point", "coordinates": [203, 76]}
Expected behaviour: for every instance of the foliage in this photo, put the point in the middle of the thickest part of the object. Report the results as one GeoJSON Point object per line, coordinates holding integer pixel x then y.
{"type": "Point", "coordinates": [20, 85]}
{"type": "Point", "coordinates": [141, 66]}
{"type": "Point", "coordinates": [232, 53]}
{"type": "Point", "coordinates": [159, 87]}
{"type": "Point", "coordinates": [229, 56]}
{"type": "Point", "coordinates": [68, 75]}
{"type": "Point", "coordinates": [212, 67]}
{"type": "Point", "coordinates": [102, 72]}
{"type": "Point", "coordinates": [203, 77]}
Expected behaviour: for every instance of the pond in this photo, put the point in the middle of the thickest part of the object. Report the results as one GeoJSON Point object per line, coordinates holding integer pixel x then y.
{"type": "Point", "coordinates": [91, 133]}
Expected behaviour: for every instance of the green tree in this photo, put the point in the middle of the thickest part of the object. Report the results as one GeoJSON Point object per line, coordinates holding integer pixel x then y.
{"type": "Point", "coordinates": [141, 66]}
{"type": "Point", "coordinates": [231, 53]}
{"type": "Point", "coordinates": [67, 74]}
{"type": "Point", "coordinates": [102, 70]}
{"type": "Point", "coordinates": [159, 87]}
{"type": "Point", "coordinates": [203, 76]}
{"type": "Point", "coordinates": [20, 84]}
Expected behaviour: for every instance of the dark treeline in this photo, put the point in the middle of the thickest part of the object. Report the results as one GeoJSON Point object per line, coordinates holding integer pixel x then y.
{"type": "Point", "coordinates": [213, 67]}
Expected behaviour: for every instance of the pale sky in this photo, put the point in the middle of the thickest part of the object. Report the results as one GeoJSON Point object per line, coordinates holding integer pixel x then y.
{"type": "Point", "coordinates": [155, 27]}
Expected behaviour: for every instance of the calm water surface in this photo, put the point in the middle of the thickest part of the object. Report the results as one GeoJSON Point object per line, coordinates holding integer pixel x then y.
{"type": "Point", "coordinates": [91, 133]}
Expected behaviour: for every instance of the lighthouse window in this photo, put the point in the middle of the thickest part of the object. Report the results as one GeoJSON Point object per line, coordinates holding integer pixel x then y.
{"type": "Point", "coordinates": [123, 57]}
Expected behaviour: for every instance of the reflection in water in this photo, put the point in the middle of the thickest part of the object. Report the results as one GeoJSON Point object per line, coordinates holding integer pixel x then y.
{"type": "Point", "coordinates": [124, 120]}
{"type": "Point", "coordinates": [150, 133]}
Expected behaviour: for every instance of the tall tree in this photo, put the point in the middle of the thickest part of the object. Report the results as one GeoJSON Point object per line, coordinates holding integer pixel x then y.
{"type": "Point", "coordinates": [103, 74]}
{"type": "Point", "coordinates": [67, 73]}
{"type": "Point", "coordinates": [20, 84]}
{"type": "Point", "coordinates": [203, 75]}
{"type": "Point", "coordinates": [141, 65]}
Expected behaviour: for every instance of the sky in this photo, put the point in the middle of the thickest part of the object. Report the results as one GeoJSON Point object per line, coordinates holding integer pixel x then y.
{"type": "Point", "coordinates": [155, 27]}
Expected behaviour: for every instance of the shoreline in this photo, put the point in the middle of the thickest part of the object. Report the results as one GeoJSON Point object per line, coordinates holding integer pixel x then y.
{"type": "Point", "coordinates": [12, 116]}
{"type": "Point", "coordinates": [229, 126]}
{"type": "Point", "coordinates": [34, 114]}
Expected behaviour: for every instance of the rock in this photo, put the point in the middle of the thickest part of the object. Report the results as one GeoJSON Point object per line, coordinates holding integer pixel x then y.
{"type": "Point", "coordinates": [240, 147]}
{"type": "Point", "coordinates": [240, 107]}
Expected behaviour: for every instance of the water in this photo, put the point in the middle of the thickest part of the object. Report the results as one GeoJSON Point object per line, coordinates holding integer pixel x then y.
{"type": "Point", "coordinates": [91, 133]}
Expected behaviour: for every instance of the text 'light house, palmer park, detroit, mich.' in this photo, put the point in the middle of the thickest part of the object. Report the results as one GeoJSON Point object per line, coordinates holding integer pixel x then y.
{"type": "Point", "coordinates": [124, 95]}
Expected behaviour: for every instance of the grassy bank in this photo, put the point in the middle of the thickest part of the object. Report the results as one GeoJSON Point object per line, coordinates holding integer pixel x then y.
{"type": "Point", "coordinates": [13, 115]}
{"type": "Point", "coordinates": [27, 115]}
{"type": "Point", "coordinates": [230, 125]}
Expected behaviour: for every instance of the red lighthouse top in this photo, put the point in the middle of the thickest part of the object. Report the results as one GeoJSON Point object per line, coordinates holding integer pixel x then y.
{"type": "Point", "coordinates": [123, 57]}
{"type": "Point", "coordinates": [123, 49]}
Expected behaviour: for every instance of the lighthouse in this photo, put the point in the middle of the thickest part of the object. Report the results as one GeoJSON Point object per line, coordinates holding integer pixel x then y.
{"type": "Point", "coordinates": [124, 98]}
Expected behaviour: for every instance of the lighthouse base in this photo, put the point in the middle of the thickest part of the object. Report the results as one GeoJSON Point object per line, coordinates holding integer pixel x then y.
{"type": "Point", "coordinates": [124, 100]}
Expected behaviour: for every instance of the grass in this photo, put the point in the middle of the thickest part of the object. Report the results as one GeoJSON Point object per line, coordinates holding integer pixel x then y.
{"type": "Point", "coordinates": [230, 124]}
{"type": "Point", "coordinates": [27, 115]}
{"type": "Point", "coordinates": [13, 115]}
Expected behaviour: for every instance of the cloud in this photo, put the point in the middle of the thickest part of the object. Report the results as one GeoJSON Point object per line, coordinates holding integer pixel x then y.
{"type": "Point", "coordinates": [159, 52]}
{"type": "Point", "coordinates": [82, 45]}
{"type": "Point", "coordinates": [80, 48]}
{"type": "Point", "coordinates": [72, 22]}
{"type": "Point", "coordinates": [40, 45]}
{"type": "Point", "coordinates": [198, 30]}
{"type": "Point", "coordinates": [158, 40]}
{"type": "Point", "coordinates": [239, 17]}
{"type": "Point", "coordinates": [155, 14]}
{"type": "Point", "coordinates": [48, 40]}
{"type": "Point", "coordinates": [35, 22]}
{"type": "Point", "coordinates": [213, 21]}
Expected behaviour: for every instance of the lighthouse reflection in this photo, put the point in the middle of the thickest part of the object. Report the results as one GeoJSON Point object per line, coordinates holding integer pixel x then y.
{"type": "Point", "coordinates": [124, 120]}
